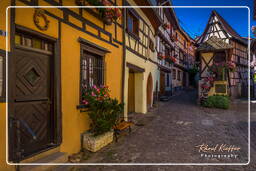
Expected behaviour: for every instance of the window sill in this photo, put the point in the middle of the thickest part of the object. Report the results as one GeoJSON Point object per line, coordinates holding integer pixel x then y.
{"type": "Point", "coordinates": [133, 35]}
{"type": "Point", "coordinates": [82, 107]}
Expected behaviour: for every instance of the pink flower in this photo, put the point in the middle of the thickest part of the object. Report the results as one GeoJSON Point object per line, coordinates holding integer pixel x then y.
{"type": "Point", "coordinates": [94, 86]}
{"type": "Point", "coordinates": [106, 3]}
{"type": "Point", "coordinates": [210, 79]}
{"type": "Point", "coordinates": [205, 86]}
{"type": "Point", "coordinates": [93, 94]}
{"type": "Point", "coordinates": [85, 102]}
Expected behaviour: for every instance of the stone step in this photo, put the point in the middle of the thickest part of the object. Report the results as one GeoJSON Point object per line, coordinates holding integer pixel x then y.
{"type": "Point", "coordinates": [58, 157]}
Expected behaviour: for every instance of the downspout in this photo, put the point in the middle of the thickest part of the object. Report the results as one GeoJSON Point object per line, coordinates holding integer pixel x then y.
{"type": "Point", "coordinates": [124, 54]}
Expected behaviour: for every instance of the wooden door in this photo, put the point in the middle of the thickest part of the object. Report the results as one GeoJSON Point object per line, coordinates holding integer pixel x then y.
{"type": "Point", "coordinates": [32, 129]}
{"type": "Point", "coordinates": [131, 93]}
{"type": "Point", "coordinates": [149, 91]}
{"type": "Point", "coordinates": [162, 83]}
{"type": "Point", "coordinates": [184, 79]}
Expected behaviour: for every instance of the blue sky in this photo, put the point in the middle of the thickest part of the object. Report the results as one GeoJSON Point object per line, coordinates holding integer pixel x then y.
{"type": "Point", "coordinates": [194, 20]}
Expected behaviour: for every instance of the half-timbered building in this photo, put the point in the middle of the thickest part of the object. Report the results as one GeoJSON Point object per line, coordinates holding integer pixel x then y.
{"type": "Point", "coordinates": [165, 47]}
{"type": "Point", "coordinates": [53, 54]}
{"type": "Point", "coordinates": [141, 67]}
{"type": "Point", "coordinates": [219, 34]}
{"type": "Point", "coordinates": [180, 77]}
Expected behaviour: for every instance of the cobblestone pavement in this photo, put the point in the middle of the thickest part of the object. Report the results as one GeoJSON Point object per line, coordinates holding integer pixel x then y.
{"type": "Point", "coordinates": [171, 132]}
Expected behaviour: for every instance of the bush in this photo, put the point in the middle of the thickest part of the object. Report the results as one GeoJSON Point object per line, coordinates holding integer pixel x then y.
{"type": "Point", "coordinates": [103, 111]}
{"type": "Point", "coordinates": [217, 101]}
{"type": "Point", "coordinates": [104, 115]}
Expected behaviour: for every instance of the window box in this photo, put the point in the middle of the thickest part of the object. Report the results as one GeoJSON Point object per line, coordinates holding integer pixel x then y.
{"type": "Point", "coordinates": [82, 107]}
{"type": "Point", "coordinates": [108, 15]}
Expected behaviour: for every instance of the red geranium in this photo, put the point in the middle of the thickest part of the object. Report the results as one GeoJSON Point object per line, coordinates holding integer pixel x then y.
{"type": "Point", "coordinates": [173, 59]}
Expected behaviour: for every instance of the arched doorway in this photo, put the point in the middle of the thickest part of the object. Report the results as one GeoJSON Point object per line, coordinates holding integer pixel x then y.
{"type": "Point", "coordinates": [149, 90]}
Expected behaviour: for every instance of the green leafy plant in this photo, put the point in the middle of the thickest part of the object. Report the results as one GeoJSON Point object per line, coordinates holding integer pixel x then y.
{"type": "Point", "coordinates": [103, 111]}
{"type": "Point", "coordinates": [108, 14]}
{"type": "Point", "coordinates": [217, 101]}
{"type": "Point", "coordinates": [194, 70]}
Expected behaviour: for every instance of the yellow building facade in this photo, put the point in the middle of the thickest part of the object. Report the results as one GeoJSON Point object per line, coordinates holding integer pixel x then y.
{"type": "Point", "coordinates": [52, 51]}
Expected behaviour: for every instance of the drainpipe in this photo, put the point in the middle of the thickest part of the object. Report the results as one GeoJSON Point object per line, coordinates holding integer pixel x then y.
{"type": "Point", "coordinates": [124, 54]}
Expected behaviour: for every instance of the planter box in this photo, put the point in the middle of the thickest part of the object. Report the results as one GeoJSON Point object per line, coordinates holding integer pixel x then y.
{"type": "Point", "coordinates": [93, 143]}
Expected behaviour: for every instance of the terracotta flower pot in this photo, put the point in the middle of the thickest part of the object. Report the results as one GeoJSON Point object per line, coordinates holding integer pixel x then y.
{"type": "Point", "coordinates": [107, 20]}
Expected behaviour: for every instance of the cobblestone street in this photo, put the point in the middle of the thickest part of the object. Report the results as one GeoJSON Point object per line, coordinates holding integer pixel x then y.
{"type": "Point", "coordinates": [171, 132]}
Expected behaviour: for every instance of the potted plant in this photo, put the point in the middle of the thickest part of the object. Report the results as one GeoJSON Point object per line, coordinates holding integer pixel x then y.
{"type": "Point", "coordinates": [104, 113]}
{"type": "Point", "coordinates": [107, 14]}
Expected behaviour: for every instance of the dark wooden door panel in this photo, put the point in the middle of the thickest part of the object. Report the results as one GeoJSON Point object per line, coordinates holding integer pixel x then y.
{"type": "Point", "coordinates": [34, 132]}
{"type": "Point", "coordinates": [32, 76]}
{"type": "Point", "coordinates": [33, 106]}
{"type": "Point", "coordinates": [162, 83]}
